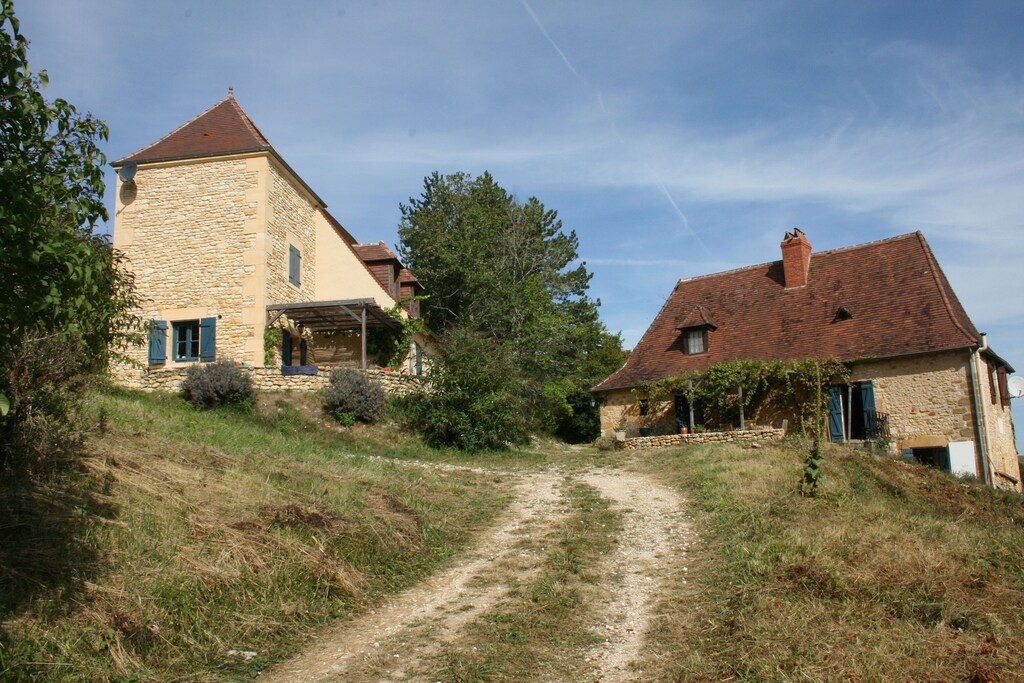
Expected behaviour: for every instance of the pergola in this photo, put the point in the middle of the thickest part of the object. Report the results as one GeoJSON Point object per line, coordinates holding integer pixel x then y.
{"type": "Point", "coordinates": [346, 314]}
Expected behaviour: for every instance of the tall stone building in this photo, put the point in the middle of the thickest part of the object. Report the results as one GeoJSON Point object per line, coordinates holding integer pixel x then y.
{"type": "Point", "coordinates": [237, 258]}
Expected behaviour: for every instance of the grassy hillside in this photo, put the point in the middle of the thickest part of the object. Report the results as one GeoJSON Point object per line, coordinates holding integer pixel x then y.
{"type": "Point", "coordinates": [898, 572]}
{"type": "Point", "coordinates": [190, 535]}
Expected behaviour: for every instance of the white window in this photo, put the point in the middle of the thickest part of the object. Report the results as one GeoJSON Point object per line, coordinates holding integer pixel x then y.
{"type": "Point", "coordinates": [696, 341]}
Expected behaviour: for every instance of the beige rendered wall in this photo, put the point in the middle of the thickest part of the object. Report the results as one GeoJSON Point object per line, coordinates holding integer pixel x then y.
{"type": "Point", "coordinates": [340, 273]}
{"type": "Point", "coordinates": [191, 232]}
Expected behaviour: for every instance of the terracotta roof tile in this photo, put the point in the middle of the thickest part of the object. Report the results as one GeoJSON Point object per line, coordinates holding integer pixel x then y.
{"type": "Point", "coordinates": [375, 252]}
{"type": "Point", "coordinates": [900, 302]}
{"type": "Point", "coordinates": [222, 129]}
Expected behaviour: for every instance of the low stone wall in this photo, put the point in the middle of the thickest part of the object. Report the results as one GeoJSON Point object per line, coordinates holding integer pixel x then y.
{"type": "Point", "coordinates": [264, 379]}
{"type": "Point", "coordinates": [673, 440]}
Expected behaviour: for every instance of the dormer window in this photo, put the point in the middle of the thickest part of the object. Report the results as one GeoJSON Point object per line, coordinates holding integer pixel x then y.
{"type": "Point", "coordinates": [695, 327]}
{"type": "Point", "coordinates": [696, 340]}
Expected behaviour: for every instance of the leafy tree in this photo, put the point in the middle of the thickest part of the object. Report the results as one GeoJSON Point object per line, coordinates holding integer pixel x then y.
{"type": "Point", "coordinates": [476, 403]}
{"type": "Point", "coordinates": [67, 298]}
{"type": "Point", "coordinates": [507, 268]}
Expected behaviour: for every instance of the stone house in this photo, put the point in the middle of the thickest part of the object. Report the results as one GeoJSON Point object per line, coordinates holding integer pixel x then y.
{"type": "Point", "coordinates": [923, 378]}
{"type": "Point", "coordinates": [237, 258]}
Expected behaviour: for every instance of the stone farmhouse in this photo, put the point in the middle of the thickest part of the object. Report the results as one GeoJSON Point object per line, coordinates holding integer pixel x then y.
{"type": "Point", "coordinates": [923, 377]}
{"type": "Point", "coordinates": [237, 258]}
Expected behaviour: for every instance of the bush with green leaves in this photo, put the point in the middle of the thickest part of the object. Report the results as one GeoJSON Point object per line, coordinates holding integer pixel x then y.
{"type": "Point", "coordinates": [68, 304]}
{"type": "Point", "coordinates": [475, 400]}
{"type": "Point", "coordinates": [352, 393]}
{"type": "Point", "coordinates": [214, 384]}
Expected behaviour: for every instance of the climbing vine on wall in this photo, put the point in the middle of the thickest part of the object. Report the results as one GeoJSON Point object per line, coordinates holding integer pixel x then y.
{"type": "Point", "coordinates": [390, 345]}
{"type": "Point", "coordinates": [795, 388]}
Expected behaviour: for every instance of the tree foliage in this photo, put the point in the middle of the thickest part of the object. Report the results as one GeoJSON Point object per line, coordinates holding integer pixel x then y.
{"type": "Point", "coordinates": [66, 295]}
{"type": "Point", "coordinates": [507, 268]}
{"type": "Point", "coordinates": [475, 402]}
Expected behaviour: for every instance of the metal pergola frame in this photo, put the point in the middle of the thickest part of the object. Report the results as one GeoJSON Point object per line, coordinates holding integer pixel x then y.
{"type": "Point", "coordinates": [344, 314]}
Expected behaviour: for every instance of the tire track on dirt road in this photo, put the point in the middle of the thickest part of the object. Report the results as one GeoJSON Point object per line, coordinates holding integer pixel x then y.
{"type": "Point", "coordinates": [655, 537]}
{"type": "Point", "coordinates": [390, 638]}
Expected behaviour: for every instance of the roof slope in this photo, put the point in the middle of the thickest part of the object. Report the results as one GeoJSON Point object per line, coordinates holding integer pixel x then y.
{"type": "Point", "coordinates": [222, 129]}
{"type": "Point", "coordinates": [900, 302]}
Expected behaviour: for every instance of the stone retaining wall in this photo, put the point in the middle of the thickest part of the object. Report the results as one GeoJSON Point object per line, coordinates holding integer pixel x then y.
{"type": "Point", "coordinates": [266, 379]}
{"type": "Point", "coordinates": [673, 440]}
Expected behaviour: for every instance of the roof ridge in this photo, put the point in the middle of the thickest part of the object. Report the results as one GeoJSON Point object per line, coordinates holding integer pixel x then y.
{"type": "Point", "coordinates": [813, 253]}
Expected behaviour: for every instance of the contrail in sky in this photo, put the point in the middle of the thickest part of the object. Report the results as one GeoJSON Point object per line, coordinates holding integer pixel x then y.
{"type": "Point", "coordinates": [611, 122]}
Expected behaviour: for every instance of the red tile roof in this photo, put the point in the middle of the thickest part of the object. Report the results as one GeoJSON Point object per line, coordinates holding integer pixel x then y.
{"type": "Point", "coordinates": [222, 129]}
{"type": "Point", "coordinates": [375, 252]}
{"type": "Point", "coordinates": [900, 301]}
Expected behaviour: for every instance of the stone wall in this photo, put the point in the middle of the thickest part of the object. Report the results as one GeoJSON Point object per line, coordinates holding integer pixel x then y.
{"type": "Point", "coordinates": [168, 379]}
{"type": "Point", "coordinates": [290, 221]}
{"type": "Point", "coordinates": [187, 230]}
{"type": "Point", "coordinates": [924, 395]}
{"type": "Point", "coordinates": [675, 440]}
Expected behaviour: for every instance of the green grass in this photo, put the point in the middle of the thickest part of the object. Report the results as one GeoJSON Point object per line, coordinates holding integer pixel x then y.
{"type": "Point", "coordinates": [189, 534]}
{"type": "Point", "coordinates": [540, 631]}
{"type": "Point", "coordinates": [896, 572]}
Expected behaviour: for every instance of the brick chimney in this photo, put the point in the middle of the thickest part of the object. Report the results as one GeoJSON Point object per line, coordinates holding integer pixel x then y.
{"type": "Point", "coordinates": [796, 258]}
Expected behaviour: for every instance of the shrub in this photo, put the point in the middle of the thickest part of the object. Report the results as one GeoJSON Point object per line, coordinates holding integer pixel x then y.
{"type": "Point", "coordinates": [352, 392]}
{"type": "Point", "coordinates": [215, 384]}
{"type": "Point", "coordinates": [475, 402]}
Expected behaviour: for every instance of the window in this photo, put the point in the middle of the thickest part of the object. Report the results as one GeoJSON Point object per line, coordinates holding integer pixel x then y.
{"type": "Point", "coordinates": [696, 340]}
{"type": "Point", "coordinates": [294, 266]}
{"type": "Point", "coordinates": [186, 340]}
{"type": "Point", "coordinates": [191, 340]}
{"type": "Point", "coordinates": [1004, 386]}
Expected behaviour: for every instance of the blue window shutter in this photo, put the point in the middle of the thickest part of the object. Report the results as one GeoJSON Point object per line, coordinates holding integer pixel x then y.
{"type": "Point", "coordinates": [867, 397]}
{"type": "Point", "coordinates": [835, 413]}
{"type": "Point", "coordinates": [157, 341]}
{"type": "Point", "coordinates": [207, 339]}
{"type": "Point", "coordinates": [286, 348]}
{"type": "Point", "coordinates": [303, 352]}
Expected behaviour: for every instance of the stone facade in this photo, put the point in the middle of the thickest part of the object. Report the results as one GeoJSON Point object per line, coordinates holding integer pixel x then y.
{"type": "Point", "coordinates": [928, 398]}
{"type": "Point", "coordinates": [923, 395]}
{"type": "Point", "coordinates": [674, 440]}
{"type": "Point", "coordinates": [210, 238]}
{"type": "Point", "coordinates": [185, 273]}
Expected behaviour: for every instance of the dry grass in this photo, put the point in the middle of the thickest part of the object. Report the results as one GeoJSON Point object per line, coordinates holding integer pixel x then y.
{"type": "Point", "coordinates": [897, 572]}
{"type": "Point", "coordinates": [189, 535]}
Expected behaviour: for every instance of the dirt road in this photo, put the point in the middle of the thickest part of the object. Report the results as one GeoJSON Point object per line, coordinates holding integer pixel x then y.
{"type": "Point", "coordinates": [396, 641]}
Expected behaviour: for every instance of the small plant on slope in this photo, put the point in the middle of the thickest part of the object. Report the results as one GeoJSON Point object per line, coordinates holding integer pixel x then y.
{"type": "Point", "coordinates": [351, 395]}
{"type": "Point", "coordinates": [215, 384]}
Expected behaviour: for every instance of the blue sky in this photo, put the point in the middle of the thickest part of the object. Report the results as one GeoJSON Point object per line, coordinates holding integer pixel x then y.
{"type": "Point", "coordinates": [675, 138]}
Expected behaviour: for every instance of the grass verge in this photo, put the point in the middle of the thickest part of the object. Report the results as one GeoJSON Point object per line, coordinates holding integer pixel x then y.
{"type": "Point", "coordinates": [540, 631]}
{"type": "Point", "coordinates": [203, 546]}
{"type": "Point", "coordinates": [897, 572]}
